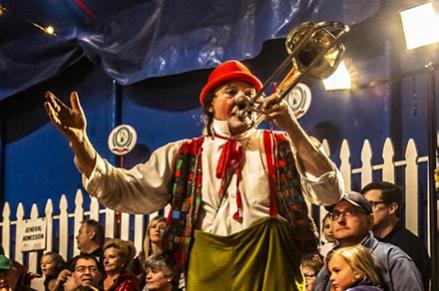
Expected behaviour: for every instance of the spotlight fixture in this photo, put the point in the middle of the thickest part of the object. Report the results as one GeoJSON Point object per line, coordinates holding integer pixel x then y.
{"type": "Point", "coordinates": [420, 25]}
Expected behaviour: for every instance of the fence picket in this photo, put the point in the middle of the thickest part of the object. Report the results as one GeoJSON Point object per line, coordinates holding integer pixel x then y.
{"type": "Point", "coordinates": [109, 222]}
{"type": "Point", "coordinates": [49, 225]}
{"type": "Point", "coordinates": [366, 163]}
{"type": "Point", "coordinates": [411, 187]}
{"type": "Point", "coordinates": [63, 227]}
{"type": "Point", "coordinates": [6, 229]}
{"type": "Point", "coordinates": [125, 226]}
{"type": "Point", "coordinates": [33, 256]}
{"type": "Point", "coordinates": [345, 166]}
{"type": "Point", "coordinates": [18, 232]}
{"type": "Point", "coordinates": [139, 227]}
{"type": "Point", "coordinates": [94, 209]}
{"type": "Point", "coordinates": [388, 165]}
{"type": "Point", "coordinates": [78, 218]}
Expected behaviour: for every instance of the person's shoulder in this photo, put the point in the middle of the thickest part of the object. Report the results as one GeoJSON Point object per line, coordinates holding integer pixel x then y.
{"type": "Point", "coordinates": [390, 251]}
{"type": "Point", "coordinates": [404, 238]}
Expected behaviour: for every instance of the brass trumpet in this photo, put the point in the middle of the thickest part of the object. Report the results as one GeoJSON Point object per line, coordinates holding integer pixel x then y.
{"type": "Point", "coordinates": [314, 49]}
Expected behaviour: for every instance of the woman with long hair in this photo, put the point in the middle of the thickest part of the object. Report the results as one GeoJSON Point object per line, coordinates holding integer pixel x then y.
{"type": "Point", "coordinates": [51, 265]}
{"type": "Point", "coordinates": [152, 244]}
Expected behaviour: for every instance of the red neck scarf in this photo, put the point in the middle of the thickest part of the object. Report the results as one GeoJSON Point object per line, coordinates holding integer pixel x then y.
{"type": "Point", "coordinates": [229, 162]}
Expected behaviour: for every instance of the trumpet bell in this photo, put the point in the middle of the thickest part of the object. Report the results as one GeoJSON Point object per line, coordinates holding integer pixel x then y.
{"type": "Point", "coordinates": [310, 40]}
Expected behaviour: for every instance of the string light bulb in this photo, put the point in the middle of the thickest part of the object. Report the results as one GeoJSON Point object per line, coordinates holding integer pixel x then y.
{"type": "Point", "coordinates": [50, 30]}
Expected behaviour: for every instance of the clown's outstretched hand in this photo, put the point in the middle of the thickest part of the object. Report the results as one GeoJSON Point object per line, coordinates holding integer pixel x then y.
{"type": "Point", "coordinates": [72, 123]}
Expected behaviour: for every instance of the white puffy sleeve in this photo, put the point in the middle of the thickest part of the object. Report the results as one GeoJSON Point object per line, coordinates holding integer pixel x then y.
{"type": "Point", "coordinates": [143, 189]}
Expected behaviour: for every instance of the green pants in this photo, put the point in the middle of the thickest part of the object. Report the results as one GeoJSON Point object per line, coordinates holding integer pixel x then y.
{"type": "Point", "coordinates": [260, 258]}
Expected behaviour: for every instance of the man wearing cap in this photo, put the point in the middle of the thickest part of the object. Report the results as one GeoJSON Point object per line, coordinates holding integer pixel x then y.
{"type": "Point", "coordinates": [352, 221]}
{"type": "Point", "coordinates": [236, 193]}
{"type": "Point", "coordinates": [5, 265]}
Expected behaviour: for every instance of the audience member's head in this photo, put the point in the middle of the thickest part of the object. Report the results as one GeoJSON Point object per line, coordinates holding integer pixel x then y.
{"type": "Point", "coordinates": [85, 272]}
{"type": "Point", "coordinates": [5, 266]}
{"type": "Point", "coordinates": [90, 236]}
{"type": "Point", "coordinates": [352, 266]}
{"type": "Point", "coordinates": [160, 273]}
{"type": "Point", "coordinates": [309, 267]}
{"type": "Point", "coordinates": [351, 218]}
{"type": "Point", "coordinates": [118, 256]}
{"type": "Point", "coordinates": [386, 199]}
{"type": "Point", "coordinates": [327, 228]}
{"type": "Point", "coordinates": [51, 264]}
{"type": "Point", "coordinates": [153, 236]}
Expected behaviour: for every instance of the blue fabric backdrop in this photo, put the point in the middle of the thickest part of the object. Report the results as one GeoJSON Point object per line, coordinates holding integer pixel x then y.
{"type": "Point", "coordinates": [133, 40]}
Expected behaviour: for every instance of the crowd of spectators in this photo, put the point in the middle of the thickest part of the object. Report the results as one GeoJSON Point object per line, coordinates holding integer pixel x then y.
{"type": "Point", "coordinates": [364, 246]}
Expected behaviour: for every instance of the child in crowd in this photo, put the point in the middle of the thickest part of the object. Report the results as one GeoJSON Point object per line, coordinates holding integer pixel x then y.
{"type": "Point", "coordinates": [310, 267]}
{"type": "Point", "coordinates": [354, 269]}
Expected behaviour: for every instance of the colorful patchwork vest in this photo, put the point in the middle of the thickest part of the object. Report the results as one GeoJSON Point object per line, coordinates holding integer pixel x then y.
{"type": "Point", "coordinates": [286, 198]}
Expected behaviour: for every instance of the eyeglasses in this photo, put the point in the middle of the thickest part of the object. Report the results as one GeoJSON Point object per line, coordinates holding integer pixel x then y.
{"type": "Point", "coordinates": [309, 274]}
{"type": "Point", "coordinates": [82, 269]}
{"type": "Point", "coordinates": [374, 204]}
{"type": "Point", "coordinates": [348, 212]}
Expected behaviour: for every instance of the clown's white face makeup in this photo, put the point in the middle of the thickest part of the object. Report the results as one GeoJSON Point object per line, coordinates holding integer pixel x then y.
{"type": "Point", "coordinates": [224, 105]}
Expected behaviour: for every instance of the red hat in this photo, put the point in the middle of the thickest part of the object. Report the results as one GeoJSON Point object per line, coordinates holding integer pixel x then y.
{"type": "Point", "coordinates": [228, 71]}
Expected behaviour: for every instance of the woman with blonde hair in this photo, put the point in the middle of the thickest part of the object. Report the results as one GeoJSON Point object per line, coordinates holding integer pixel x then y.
{"type": "Point", "coordinates": [354, 269]}
{"type": "Point", "coordinates": [118, 258]}
{"type": "Point", "coordinates": [152, 244]}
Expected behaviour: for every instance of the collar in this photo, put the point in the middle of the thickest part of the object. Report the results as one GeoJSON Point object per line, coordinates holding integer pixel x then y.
{"type": "Point", "coordinates": [221, 128]}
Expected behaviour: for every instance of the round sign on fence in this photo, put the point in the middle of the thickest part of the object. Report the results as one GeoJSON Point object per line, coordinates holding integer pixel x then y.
{"type": "Point", "coordinates": [122, 139]}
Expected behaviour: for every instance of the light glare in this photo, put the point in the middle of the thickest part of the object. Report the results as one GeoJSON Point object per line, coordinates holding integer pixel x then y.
{"type": "Point", "coordinates": [420, 25]}
{"type": "Point", "coordinates": [339, 80]}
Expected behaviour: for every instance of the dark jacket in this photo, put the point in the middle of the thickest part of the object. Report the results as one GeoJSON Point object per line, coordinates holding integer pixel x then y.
{"type": "Point", "coordinates": [413, 246]}
{"type": "Point", "coordinates": [400, 273]}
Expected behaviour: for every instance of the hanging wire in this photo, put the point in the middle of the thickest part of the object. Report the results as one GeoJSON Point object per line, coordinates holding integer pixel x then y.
{"type": "Point", "coordinates": [415, 97]}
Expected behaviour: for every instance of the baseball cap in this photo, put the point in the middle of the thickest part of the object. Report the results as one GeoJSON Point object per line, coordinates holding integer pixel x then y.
{"type": "Point", "coordinates": [5, 263]}
{"type": "Point", "coordinates": [355, 199]}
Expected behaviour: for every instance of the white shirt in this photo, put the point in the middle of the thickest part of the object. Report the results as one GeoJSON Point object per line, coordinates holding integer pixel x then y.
{"type": "Point", "coordinates": [147, 187]}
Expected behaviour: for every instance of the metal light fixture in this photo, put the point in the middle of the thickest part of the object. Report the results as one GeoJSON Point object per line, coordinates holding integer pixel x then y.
{"type": "Point", "coordinates": [420, 25]}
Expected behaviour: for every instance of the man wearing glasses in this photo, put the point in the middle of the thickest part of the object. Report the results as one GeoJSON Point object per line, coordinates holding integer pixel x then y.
{"type": "Point", "coordinates": [352, 221]}
{"type": "Point", "coordinates": [387, 203]}
{"type": "Point", "coordinates": [85, 273]}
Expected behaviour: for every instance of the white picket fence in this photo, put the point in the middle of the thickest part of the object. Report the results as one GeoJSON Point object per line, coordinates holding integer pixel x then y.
{"type": "Point", "coordinates": [136, 223]}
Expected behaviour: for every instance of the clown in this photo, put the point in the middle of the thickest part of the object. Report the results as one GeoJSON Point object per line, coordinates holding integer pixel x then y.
{"type": "Point", "coordinates": [238, 218]}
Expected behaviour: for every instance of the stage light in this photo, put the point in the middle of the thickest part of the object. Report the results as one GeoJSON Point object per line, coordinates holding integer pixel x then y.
{"type": "Point", "coordinates": [420, 25]}
{"type": "Point", "coordinates": [339, 80]}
